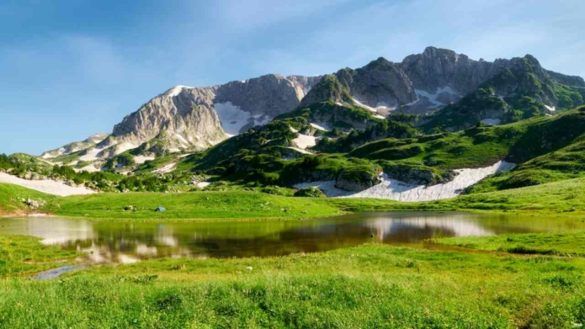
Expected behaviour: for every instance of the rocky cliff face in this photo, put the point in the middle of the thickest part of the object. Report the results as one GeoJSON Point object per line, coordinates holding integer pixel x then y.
{"type": "Point", "coordinates": [420, 84]}
{"type": "Point", "coordinates": [190, 119]}
{"type": "Point", "coordinates": [428, 82]}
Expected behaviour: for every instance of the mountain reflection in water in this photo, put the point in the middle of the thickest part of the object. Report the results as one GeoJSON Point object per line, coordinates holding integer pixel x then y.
{"type": "Point", "coordinates": [128, 242]}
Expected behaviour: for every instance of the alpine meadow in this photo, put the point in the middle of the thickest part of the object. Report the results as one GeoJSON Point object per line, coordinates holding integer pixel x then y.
{"type": "Point", "coordinates": [439, 190]}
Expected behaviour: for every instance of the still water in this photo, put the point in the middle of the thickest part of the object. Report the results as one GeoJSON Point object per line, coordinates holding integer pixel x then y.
{"type": "Point", "coordinates": [127, 241]}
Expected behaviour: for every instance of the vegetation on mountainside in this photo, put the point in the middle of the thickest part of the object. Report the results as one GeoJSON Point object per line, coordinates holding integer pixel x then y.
{"type": "Point", "coordinates": [550, 149]}
{"type": "Point", "coordinates": [567, 197]}
{"type": "Point", "coordinates": [266, 154]}
{"type": "Point", "coordinates": [337, 142]}
{"type": "Point", "coordinates": [545, 144]}
{"type": "Point", "coordinates": [546, 149]}
{"type": "Point", "coordinates": [29, 167]}
{"type": "Point", "coordinates": [519, 92]}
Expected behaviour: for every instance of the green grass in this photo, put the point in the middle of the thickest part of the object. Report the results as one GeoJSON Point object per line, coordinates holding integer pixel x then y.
{"type": "Point", "coordinates": [195, 205]}
{"type": "Point", "coordinates": [562, 196]}
{"type": "Point", "coordinates": [567, 197]}
{"type": "Point", "coordinates": [564, 163]}
{"type": "Point", "coordinates": [370, 286]}
{"type": "Point", "coordinates": [21, 255]}
{"type": "Point", "coordinates": [540, 143]}
{"type": "Point", "coordinates": [516, 280]}
{"type": "Point", "coordinates": [11, 197]}
{"type": "Point", "coordinates": [565, 244]}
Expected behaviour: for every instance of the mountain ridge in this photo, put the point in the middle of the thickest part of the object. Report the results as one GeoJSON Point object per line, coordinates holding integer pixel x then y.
{"type": "Point", "coordinates": [190, 119]}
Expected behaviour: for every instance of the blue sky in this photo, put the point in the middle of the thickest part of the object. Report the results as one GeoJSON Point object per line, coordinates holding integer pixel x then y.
{"type": "Point", "coordinates": [71, 68]}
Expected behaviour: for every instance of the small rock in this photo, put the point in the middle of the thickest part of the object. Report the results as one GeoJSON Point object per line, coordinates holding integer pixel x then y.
{"type": "Point", "coordinates": [34, 204]}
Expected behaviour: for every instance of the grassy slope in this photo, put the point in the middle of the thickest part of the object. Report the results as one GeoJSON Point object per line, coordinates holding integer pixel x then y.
{"type": "Point", "coordinates": [370, 286]}
{"type": "Point", "coordinates": [11, 198]}
{"type": "Point", "coordinates": [564, 163]}
{"type": "Point", "coordinates": [233, 204]}
{"type": "Point", "coordinates": [561, 196]}
{"type": "Point", "coordinates": [553, 142]}
{"type": "Point", "coordinates": [566, 196]}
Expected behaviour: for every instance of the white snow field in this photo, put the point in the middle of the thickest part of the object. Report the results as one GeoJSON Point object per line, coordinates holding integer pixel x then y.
{"type": "Point", "coordinates": [400, 191]}
{"type": "Point", "coordinates": [433, 98]}
{"type": "Point", "coordinates": [318, 127]}
{"type": "Point", "coordinates": [379, 109]}
{"type": "Point", "coordinates": [304, 141]}
{"type": "Point", "coordinates": [48, 186]}
{"type": "Point", "coordinates": [232, 118]}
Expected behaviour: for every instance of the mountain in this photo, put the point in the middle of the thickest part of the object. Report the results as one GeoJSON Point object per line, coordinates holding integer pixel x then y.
{"type": "Point", "coordinates": [74, 147]}
{"type": "Point", "coordinates": [187, 119]}
{"type": "Point", "coordinates": [437, 90]}
{"type": "Point", "coordinates": [519, 89]}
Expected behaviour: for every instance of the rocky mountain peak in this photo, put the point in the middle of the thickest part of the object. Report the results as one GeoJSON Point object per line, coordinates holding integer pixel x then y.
{"type": "Point", "coordinates": [186, 119]}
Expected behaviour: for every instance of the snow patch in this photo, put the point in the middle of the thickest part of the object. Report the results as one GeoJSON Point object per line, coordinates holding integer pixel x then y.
{"type": "Point", "coordinates": [176, 90]}
{"type": "Point", "coordinates": [328, 187]}
{"type": "Point", "coordinates": [127, 259]}
{"type": "Point", "coordinates": [48, 186]}
{"type": "Point", "coordinates": [401, 191]}
{"type": "Point", "coordinates": [369, 108]}
{"type": "Point", "coordinates": [433, 98]}
{"type": "Point", "coordinates": [123, 147]}
{"type": "Point", "coordinates": [202, 184]}
{"type": "Point", "coordinates": [166, 168]}
{"type": "Point", "coordinates": [140, 159]}
{"type": "Point", "coordinates": [232, 118]}
{"type": "Point", "coordinates": [318, 127]}
{"type": "Point", "coordinates": [550, 108]}
{"type": "Point", "coordinates": [304, 141]}
{"type": "Point", "coordinates": [491, 121]}
{"type": "Point", "coordinates": [380, 108]}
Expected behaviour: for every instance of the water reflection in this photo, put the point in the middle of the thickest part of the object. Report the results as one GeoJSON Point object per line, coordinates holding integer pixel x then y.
{"type": "Point", "coordinates": [128, 242]}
